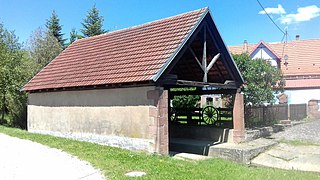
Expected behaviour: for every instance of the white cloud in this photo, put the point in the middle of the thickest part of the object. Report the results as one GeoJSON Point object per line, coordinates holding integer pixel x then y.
{"type": "Point", "coordinates": [303, 14]}
{"type": "Point", "coordinates": [278, 10]}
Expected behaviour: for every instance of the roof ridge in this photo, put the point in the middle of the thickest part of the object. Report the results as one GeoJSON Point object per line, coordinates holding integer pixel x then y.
{"type": "Point", "coordinates": [144, 24]}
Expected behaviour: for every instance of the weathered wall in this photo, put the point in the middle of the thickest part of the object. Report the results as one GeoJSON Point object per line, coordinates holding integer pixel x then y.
{"type": "Point", "coordinates": [103, 97]}
{"type": "Point", "coordinates": [123, 117]}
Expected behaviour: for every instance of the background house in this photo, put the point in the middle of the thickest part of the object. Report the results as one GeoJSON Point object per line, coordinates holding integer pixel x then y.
{"type": "Point", "coordinates": [299, 61]}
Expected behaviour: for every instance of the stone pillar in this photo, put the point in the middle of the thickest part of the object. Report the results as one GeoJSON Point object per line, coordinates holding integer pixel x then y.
{"type": "Point", "coordinates": [163, 122]}
{"type": "Point", "coordinates": [159, 120]}
{"type": "Point", "coordinates": [238, 119]}
{"type": "Point", "coordinates": [313, 109]}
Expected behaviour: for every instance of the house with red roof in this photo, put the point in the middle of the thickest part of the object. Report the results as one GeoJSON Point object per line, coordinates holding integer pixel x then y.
{"type": "Point", "coordinates": [114, 88]}
{"type": "Point", "coordinates": [299, 61]}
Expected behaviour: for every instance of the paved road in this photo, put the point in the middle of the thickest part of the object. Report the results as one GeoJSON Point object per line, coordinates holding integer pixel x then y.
{"type": "Point", "coordinates": [24, 159]}
{"type": "Point", "coordinates": [298, 157]}
{"type": "Point", "coordinates": [309, 131]}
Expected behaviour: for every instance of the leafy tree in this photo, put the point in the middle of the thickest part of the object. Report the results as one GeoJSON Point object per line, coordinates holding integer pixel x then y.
{"type": "Point", "coordinates": [43, 47]}
{"type": "Point", "coordinates": [54, 27]}
{"type": "Point", "coordinates": [185, 101]}
{"type": "Point", "coordinates": [92, 24]}
{"type": "Point", "coordinates": [15, 70]}
{"type": "Point", "coordinates": [261, 78]}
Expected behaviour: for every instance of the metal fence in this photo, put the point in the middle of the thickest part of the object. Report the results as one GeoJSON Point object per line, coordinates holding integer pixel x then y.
{"type": "Point", "coordinates": [257, 116]}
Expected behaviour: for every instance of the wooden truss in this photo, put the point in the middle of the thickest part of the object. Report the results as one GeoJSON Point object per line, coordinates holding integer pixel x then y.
{"type": "Point", "coordinates": [203, 65]}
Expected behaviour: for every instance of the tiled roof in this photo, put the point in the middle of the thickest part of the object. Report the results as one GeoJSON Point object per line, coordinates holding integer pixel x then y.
{"type": "Point", "coordinates": [130, 55]}
{"type": "Point", "coordinates": [305, 83]}
{"type": "Point", "coordinates": [303, 56]}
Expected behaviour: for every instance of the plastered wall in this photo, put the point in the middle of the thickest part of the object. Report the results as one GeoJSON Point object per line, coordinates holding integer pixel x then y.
{"type": "Point", "coordinates": [118, 117]}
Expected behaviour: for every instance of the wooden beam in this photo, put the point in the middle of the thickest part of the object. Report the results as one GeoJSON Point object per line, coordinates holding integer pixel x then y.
{"type": "Point", "coordinates": [204, 55]}
{"type": "Point", "coordinates": [228, 65]}
{"type": "Point", "coordinates": [214, 59]}
{"type": "Point", "coordinates": [195, 57]}
{"type": "Point", "coordinates": [205, 84]}
{"type": "Point", "coordinates": [183, 49]}
{"type": "Point", "coordinates": [213, 39]}
{"type": "Point", "coordinates": [202, 92]}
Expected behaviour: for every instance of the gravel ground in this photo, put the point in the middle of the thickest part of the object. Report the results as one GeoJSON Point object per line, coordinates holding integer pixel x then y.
{"type": "Point", "coordinates": [24, 159]}
{"type": "Point", "coordinates": [309, 131]}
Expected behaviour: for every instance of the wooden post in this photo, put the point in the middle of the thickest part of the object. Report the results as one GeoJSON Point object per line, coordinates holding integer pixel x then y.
{"type": "Point", "coordinates": [204, 55]}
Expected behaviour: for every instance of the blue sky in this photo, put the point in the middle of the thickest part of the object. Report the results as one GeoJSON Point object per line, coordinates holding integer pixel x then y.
{"type": "Point", "coordinates": [237, 20]}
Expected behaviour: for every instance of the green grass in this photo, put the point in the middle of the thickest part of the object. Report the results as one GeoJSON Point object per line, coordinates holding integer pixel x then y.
{"type": "Point", "coordinates": [115, 162]}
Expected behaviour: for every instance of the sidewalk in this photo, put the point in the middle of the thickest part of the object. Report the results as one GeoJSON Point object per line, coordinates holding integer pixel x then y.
{"type": "Point", "coordinates": [286, 156]}
{"type": "Point", "coordinates": [23, 159]}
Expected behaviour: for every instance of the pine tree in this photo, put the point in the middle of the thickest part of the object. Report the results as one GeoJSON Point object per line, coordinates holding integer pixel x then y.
{"type": "Point", "coordinates": [74, 36]}
{"type": "Point", "coordinates": [92, 24]}
{"type": "Point", "coordinates": [54, 27]}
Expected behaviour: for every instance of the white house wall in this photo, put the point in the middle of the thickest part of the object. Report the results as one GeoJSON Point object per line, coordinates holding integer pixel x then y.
{"type": "Point", "coordinates": [116, 117]}
{"type": "Point", "coordinates": [302, 96]}
{"type": "Point", "coordinates": [264, 53]}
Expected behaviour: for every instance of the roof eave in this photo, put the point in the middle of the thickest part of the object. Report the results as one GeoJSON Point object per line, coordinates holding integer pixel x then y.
{"type": "Point", "coordinates": [265, 45]}
{"type": "Point", "coordinates": [165, 66]}
{"type": "Point", "coordinates": [229, 55]}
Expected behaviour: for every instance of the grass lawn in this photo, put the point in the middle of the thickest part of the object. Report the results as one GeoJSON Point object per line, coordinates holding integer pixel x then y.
{"type": "Point", "coordinates": [115, 162]}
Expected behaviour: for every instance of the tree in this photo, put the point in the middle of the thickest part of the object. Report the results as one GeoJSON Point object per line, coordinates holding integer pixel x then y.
{"type": "Point", "coordinates": [74, 36]}
{"type": "Point", "coordinates": [54, 27]}
{"type": "Point", "coordinates": [261, 78]}
{"type": "Point", "coordinates": [15, 70]}
{"type": "Point", "coordinates": [92, 24]}
{"type": "Point", "coordinates": [43, 47]}
{"type": "Point", "coordinates": [185, 101]}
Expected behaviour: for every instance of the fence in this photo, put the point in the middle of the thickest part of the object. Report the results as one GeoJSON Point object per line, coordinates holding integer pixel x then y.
{"type": "Point", "coordinates": [258, 116]}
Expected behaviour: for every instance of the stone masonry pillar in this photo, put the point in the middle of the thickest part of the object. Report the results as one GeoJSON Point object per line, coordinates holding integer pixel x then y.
{"type": "Point", "coordinates": [163, 122]}
{"type": "Point", "coordinates": [158, 127]}
{"type": "Point", "coordinates": [238, 119]}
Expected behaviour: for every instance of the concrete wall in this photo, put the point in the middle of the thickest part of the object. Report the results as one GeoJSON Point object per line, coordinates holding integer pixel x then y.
{"type": "Point", "coordinates": [123, 117]}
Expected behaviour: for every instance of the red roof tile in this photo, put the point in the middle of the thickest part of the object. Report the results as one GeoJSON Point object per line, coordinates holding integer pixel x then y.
{"type": "Point", "coordinates": [130, 55]}
{"type": "Point", "coordinates": [304, 56]}
{"type": "Point", "coordinates": [305, 83]}
{"type": "Point", "coordinates": [303, 67]}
